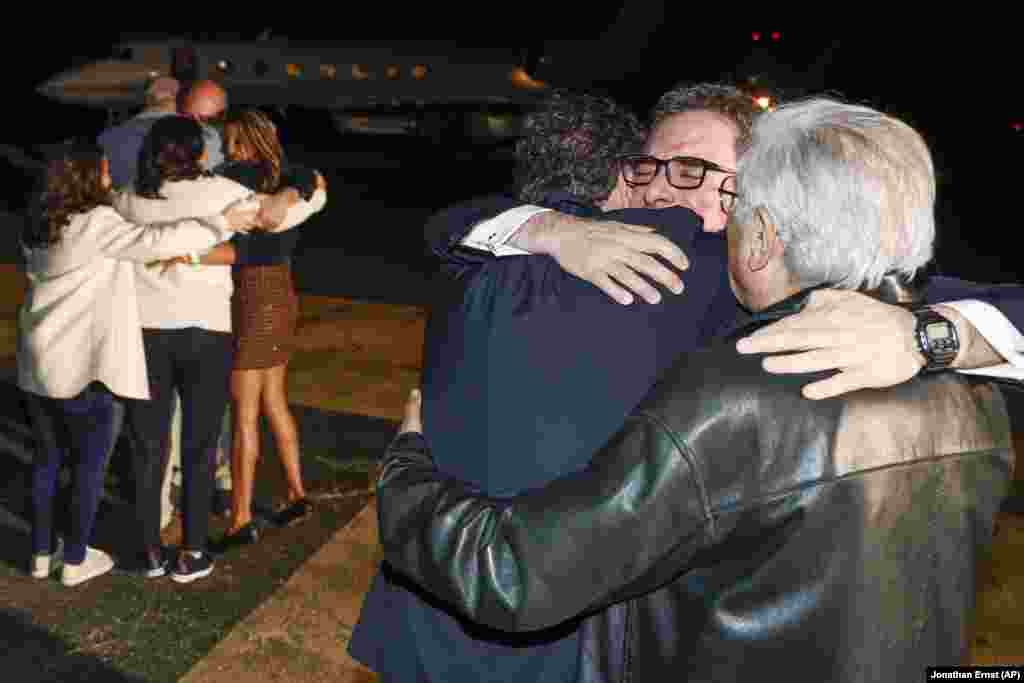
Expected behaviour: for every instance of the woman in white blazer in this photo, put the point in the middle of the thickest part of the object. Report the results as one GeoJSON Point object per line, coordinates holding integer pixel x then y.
{"type": "Point", "coordinates": [186, 330]}
{"type": "Point", "coordinates": [80, 345]}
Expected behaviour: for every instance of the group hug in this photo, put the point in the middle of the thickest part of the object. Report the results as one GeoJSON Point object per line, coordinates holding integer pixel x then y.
{"type": "Point", "coordinates": [159, 292]}
{"type": "Point", "coordinates": [693, 408]}
{"type": "Point", "coordinates": [694, 405]}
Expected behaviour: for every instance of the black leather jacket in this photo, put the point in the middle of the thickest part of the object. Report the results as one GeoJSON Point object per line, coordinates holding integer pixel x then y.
{"type": "Point", "coordinates": [736, 529]}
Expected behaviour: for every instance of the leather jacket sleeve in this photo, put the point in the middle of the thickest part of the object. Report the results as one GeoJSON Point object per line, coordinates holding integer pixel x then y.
{"type": "Point", "coordinates": [625, 525]}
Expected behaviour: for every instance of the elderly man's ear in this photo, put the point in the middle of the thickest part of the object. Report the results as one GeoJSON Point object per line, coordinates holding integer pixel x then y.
{"type": "Point", "coordinates": [763, 240]}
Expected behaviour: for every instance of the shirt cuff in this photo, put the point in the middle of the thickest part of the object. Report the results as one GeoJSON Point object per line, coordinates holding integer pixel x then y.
{"type": "Point", "coordinates": [999, 332]}
{"type": "Point", "coordinates": [491, 235]}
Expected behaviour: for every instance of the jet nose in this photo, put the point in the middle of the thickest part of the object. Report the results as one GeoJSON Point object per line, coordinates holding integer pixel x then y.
{"type": "Point", "coordinates": [56, 87]}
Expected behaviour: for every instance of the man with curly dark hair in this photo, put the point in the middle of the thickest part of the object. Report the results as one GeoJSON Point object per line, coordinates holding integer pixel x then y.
{"type": "Point", "coordinates": [572, 144]}
{"type": "Point", "coordinates": [520, 331]}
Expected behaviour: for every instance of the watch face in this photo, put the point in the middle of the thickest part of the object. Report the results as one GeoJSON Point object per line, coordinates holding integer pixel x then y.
{"type": "Point", "coordinates": [937, 331]}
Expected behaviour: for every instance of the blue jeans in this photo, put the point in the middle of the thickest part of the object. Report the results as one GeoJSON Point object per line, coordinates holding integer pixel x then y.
{"type": "Point", "coordinates": [81, 430]}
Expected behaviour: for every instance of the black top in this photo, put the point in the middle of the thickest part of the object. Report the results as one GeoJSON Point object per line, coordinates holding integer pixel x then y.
{"type": "Point", "coordinates": [260, 248]}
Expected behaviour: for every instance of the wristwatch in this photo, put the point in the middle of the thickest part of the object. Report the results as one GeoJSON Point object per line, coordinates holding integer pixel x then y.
{"type": "Point", "coordinates": [936, 338]}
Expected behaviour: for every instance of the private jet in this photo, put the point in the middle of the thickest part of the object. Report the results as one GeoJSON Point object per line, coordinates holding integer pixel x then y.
{"type": "Point", "coordinates": [396, 88]}
{"type": "Point", "coordinates": [475, 90]}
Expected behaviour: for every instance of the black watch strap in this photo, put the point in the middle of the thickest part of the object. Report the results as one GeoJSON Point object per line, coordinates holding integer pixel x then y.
{"type": "Point", "coordinates": [936, 338]}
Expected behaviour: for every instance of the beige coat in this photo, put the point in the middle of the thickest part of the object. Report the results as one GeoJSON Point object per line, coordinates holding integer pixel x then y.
{"type": "Point", "coordinates": [79, 322]}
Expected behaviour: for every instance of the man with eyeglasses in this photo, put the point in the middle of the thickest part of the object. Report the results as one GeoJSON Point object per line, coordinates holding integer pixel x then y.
{"type": "Point", "coordinates": [684, 173]}
{"type": "Point", "coordinates": [708, 125]}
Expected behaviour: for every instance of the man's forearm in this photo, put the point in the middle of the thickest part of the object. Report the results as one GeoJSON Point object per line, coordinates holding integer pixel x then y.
{"type": "Point", "coordinates": [540, 233]}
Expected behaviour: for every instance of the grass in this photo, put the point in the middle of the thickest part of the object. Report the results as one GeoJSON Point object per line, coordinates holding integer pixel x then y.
{"type": "Point", "coordinates": [123, 628]}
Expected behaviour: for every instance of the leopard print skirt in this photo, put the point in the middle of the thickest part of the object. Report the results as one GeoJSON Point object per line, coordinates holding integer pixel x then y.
{"type": "Point", "coordinates": [264, 312]}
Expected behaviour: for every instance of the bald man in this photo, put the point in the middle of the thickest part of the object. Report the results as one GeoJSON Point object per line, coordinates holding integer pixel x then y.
{"type": "Point", "coordinates": [206, 101]}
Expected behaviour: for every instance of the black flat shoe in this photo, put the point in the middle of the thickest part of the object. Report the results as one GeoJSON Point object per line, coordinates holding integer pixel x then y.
{"type": "Point", "coordinates": [294, 512]}
{"type": "Point", "coordinates": [152, 563]}
{"type": "Point", "coordinates": [247, 535]}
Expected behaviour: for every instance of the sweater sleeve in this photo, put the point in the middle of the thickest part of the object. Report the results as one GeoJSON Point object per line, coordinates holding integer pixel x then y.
{"type": "Point", "coordinates": [112, 235]}
{"type": "Point", "coordinates": [302, 211]}
{"type": "Point", "coordinates": [301, 178]}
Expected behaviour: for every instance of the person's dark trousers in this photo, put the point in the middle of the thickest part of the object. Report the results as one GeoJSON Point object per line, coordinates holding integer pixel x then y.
{"type": "Point", "coordinates": [81, 430]}
{"type": "Point", "coordinates": [197, 363]}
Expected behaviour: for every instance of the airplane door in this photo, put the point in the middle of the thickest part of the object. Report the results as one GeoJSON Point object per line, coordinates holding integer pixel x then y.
{"type": "Point", "coordinates": [184, 64]}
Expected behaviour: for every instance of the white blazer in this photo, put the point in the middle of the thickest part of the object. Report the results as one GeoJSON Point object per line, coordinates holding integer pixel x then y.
{"type": "Point", "coordinates": [79, 322]}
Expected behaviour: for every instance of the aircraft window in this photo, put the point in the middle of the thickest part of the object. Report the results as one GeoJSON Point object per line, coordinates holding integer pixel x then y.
{"type": "Point", "coordinates": [328, 71]}
{"type": "Point", "coordinates": [359, 73]}
{"type": "Point", "coordinates": [294, 70]}
{"type": "Point", "coordinates": [260, 68]}
{"type": "Point", "coordinates": [392, 72]}
{"type": "Point", "coordinates": [419, 72]}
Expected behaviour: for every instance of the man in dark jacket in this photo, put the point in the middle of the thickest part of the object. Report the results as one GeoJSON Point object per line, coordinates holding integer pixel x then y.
{"type": "Point", "coordinates": [521, 331]}
{"type": "Point", "coordinates": [736, 527]}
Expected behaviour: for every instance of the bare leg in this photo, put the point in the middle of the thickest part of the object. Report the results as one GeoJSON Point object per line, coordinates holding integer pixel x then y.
{"type": "Point", "coordinates": [172, 473]}
{"type": "Point", "coordinates": [282, 425]}
{"type": "Point", "coordinates": [246, 387]}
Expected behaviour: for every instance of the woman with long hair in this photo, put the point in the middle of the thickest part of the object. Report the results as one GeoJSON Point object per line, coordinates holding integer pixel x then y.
{"type": "Point", "coordinates": [80, 351]}
{"type": "Point", "coordinates": [264, 312]}
{"type": "Point", "coordinates": [186, 330]}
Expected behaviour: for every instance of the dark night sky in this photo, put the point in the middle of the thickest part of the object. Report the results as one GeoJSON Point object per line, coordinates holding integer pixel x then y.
{"type": "Point", "coordinates": [960, 86]}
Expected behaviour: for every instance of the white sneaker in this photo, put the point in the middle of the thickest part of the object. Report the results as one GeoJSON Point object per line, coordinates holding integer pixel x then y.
{"type": "Point", "coordinates": [96, 563]}
{"type": "Point", "coordinates": [44, 565]}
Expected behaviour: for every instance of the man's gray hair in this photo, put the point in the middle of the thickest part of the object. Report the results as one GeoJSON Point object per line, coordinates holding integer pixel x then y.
{"type": "Point", "coordinates": [728, 101]}
{"type": "Point", "coordinates": [850, 190]}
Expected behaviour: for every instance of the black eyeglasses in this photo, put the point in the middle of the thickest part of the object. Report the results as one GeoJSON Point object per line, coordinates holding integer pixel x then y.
{"type": "Point", "coordinates": [727, 194]}
{"type": "Point", "coordinates": [683, 173]}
